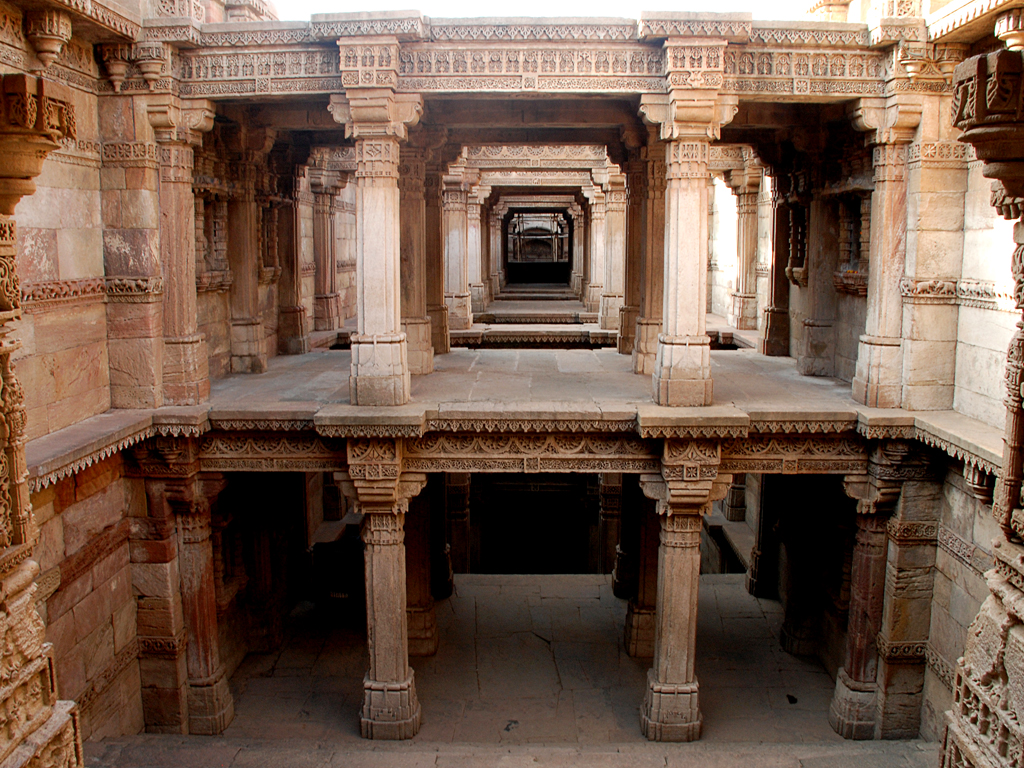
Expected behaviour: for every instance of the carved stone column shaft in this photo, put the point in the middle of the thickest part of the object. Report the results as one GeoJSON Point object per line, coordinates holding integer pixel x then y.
{"type": "Point", "coordinates": [682, 374]}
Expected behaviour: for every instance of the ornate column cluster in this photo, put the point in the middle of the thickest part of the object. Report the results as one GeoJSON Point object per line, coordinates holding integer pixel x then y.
{"type": "Point", "coordinates": [184, 685]}
{"type": "Point", "coordinates": [879, 378]}
{"type": "Point", "coordinates": [455, 238]}
{"type": "Point", "coordinates": [437, 308]}
{"type": "Point", "coordinates": [682, 370]}
{"type": "Point", "coordinates": [852, 712]}
{"type": "Point", "coordinates": [613, 294]}
{"type": "Point", "coordinates": [652, 272]}
{"type": "Point", "coordinates": [415, 322]}
{"type": "Point", "coordinates": [688, 482]}
{"type": "Point", "coordinates": [177, 127]}
{"type": "Point", "coordinates": [382, 492]}
{"type": "Point", "coordinates": [597, 261]}
{"type": "Point", "coordinates": [746, 185]}
{"type": "Point", "coordinates": [297, 268]}
{"type": "Point", "coordinates": [378, 119]}
{"type": "Point", "coordinates": [636, 202]}
{"type": "Point", "coordinates": [325, 186]}
{"type": "Point", "coordinates": [475, 202]}
{"type": "Point", "coordinates": [984, 724]}
{"type": "Point", "coordinates": [34, 116]}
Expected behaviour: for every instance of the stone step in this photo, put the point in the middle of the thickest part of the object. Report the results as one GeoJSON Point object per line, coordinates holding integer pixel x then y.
{"type": "Point", "coordinates": [530, 338]}
{"type": "Point", "coordinates": [548, 318]}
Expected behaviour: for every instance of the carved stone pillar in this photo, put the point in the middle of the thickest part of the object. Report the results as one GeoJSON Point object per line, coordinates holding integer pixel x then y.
{"type": "Point", "coordinates": [852, 713]}
{"type": "Point", "coordinates": [35, 115]}
{"type": "Point", "coordinates": [640, 611]}
{"type": "Point", "coordinates": [735, 506]}
{"type": "Point", "coordinates": [455, 220]}
{"type": "Point", "coordinates": [765, 252]}
{"type": "Point", "coordinates": [161, 623]}
{"type": "Point", "coordinates": [579, 250]}
{"type": "Point", "coordinates": [636, 202]}
{"type": "Point", "coordinates": [682, 368]}
{"type": "Point", "coordinates": [415, 322]}
{"type": "Point", "coordinates": [248, 354]}
{"type": "Point", "coordinates": [390, 707]}
{"type": "Point", "coordinates": [186, 378]}
{"type": "Point", "coordinates": [610, 519]}
{"type": "Point", "coordinates": [437, 309]}
{"type": "Point", "coordinates": [594, 279]}
{"type": "Point", "coordinates": [652, 272]}
{"type": "Point", "coordinates": [210, 705]}
{"type": "Point", "coordinates": [878, 381]}
{"type": "Point", "coordinates": [422, 621]}
{"type": "Point", "coordinates": [475, 247]}
{"type": "Point", "coordinates": [380, 364]}
{"type": "Point", "coordinates": [294, 322]}
{"type": "Point", "coordinates": [775, 336]}
{"type": "Point", "coordinates": [457, 485]}
{"type": "Point", "coordinates": [496, 276]}
{"type": "Point", "coordinates": [614, 291]}
{"type": "Point", "coordinates": [683, 490]}
{"type": "Point", "coordinates": [745, 185]}
{"type": "Point", "coordinates": [817, 353]}
{"type": "Point", "coordinates": [326, 301]}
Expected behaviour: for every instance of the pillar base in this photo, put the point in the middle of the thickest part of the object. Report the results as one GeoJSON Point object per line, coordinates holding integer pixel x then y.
{"type": "Point", "coordinates": [852, 711]}
{"type": "Point", "coordinates": [776, 333]}
{"type": "Point", "coordinates": [211, 708]}
{"type": "Point", "coordinates": [639, 638]}
{"type": "Point", "coordinates": [460, 311]}
{"type": "Point", "coordinates": [390, 709]}
{"type": "Point", "coordinates": [682, 371]}
{"type": "Point", "coordinates": [380, 370]}
{"type": "Point", "coordinates": [247, 354]}
{"type": "Point", "coordinates": [293, 331]}
{"type": "Point", "coordinates": [423, 636]}
{"type": "Point", "coordinates": [592, 300]}
{"type": "Point", "coordinates": [799, 641]}
{"type": "Point", "coordinates": [819, 357]}
{"type": "Point", "coordinates": [645, 345]}
{"type": "Point", "coordinates": [576, 283]}
{"type": "Point", "coordinates": [609, 317]}
{"type": "Point", "coordinates": [879, 379]}
{"type": "Point", "coordinates": [627, 329]}
{"type": "Point", "coordinates": [186, 373]}
{"type": "Point", "coordinates": [418, 343]}
{"type": "Point", "coordinates": [438, 315]}
{"type": "Point", "coordinates": [326, 311]}
{"type": "Point", "coordinates": [670, 711]}
{"type": "Point", "coordinates": [743, 313]}
{"type": "Point", "coordinates": [478, 297]}
{"type": "Point", "coordinates": [735, 507]}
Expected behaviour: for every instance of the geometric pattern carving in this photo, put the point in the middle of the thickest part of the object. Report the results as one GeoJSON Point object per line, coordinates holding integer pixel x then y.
{"type": "Point", "coordinates": [270, 453]}
{"type": "Point", "coordinates": [792, 455]}
{"type": "Point", "coordinates": [530, 453]}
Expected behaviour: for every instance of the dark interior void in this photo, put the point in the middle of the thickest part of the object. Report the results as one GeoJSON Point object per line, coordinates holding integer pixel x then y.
{"type": "Point", "coordinates": [534, 524]}
{"type": "Point", "coordinates": [538, 272]}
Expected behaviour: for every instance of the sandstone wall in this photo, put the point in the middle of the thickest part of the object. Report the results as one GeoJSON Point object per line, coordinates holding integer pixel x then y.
{"type": "Point", "coordinates": [63, 364]}
{"type": "Point", "coordinates": [966, 532]}
{"type": "Point", "coordinates": [983, 334]}
{"type": "Point", "coordinates": [86, 596]}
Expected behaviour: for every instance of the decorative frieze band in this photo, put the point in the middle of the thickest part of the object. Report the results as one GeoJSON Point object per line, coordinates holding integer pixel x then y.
{"type": "Point", "coordinates": [981, 294]}
{"type": "Point", "coordinates": [963, 551]}
{"type": "Point", "coordinates": [905, 652]}
{"type": "Point", "coordinates": [39, 296]}
{"type": "Point", "coordinates": [911, 533]}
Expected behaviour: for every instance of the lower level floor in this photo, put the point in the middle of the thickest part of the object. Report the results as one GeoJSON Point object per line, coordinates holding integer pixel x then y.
{"type": "Point", "coordinates": [532, 669]}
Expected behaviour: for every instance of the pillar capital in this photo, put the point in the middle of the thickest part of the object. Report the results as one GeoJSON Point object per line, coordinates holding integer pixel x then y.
{"type": "Point", "coordinates": [376, 112]}
{"type": "Point", "coordinates": [179, 121]}
{"type": "Point", "coordinates": [688, 115]}
{"type": "Point", "coordinates": [886, 121]}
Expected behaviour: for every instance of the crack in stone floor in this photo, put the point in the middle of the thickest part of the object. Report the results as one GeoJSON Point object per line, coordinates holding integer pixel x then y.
{"type": "Point", "coordinates": [531, 670]}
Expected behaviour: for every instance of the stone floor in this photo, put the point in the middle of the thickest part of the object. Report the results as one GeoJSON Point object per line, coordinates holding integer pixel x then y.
{"type": "Point", "coordinates": [530, 671]}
